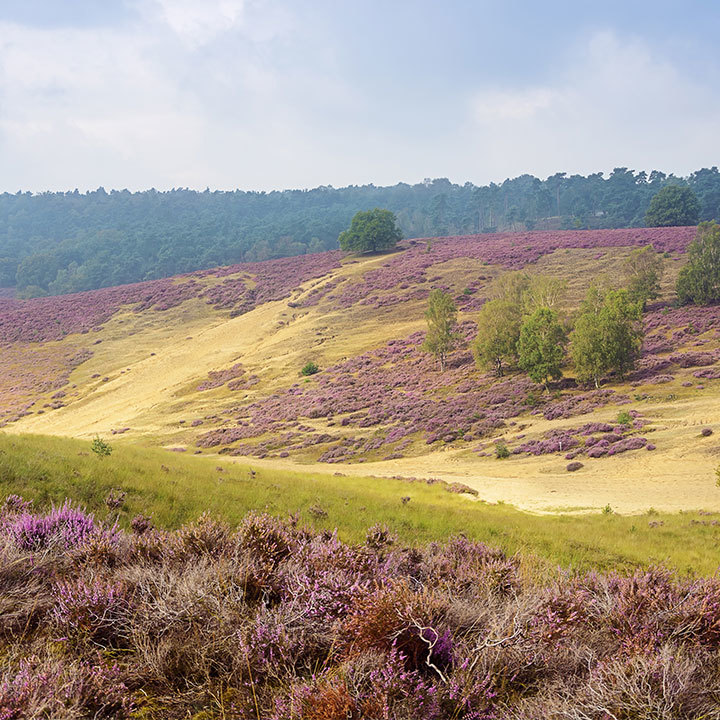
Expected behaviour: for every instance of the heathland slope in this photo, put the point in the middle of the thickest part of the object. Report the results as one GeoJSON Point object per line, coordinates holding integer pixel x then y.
{"type": "Point", "coordinates": [210, 363]}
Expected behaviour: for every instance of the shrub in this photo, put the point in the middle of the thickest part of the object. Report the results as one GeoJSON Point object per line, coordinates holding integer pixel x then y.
{"type": "Point", "coordinates": [100, 447]}
{"type": "Point", "coordinates": [141, 524]}
{"type": "Point", "coordinates": [310, 368]}
{"type": "Point", "coordinates": [64, 527]}
{"type": "Point", "coordinates": [93, 611]}
{"type": "Point", "coordinates": [706, 432]}
{"type": "Point", "coordinates": [573, 466]}
{"type": "Point", "coordinates": [624, 418]}
{"type": "Point", "coordinates": [501, 450]}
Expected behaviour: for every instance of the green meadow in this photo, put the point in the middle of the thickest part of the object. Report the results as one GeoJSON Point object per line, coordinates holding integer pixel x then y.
{"type": "Point", "coordinates": [176, 488]}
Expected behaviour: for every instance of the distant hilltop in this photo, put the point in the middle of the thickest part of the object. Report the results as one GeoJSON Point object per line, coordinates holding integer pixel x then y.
{"type": "Point", "coordinates": [57, 243]}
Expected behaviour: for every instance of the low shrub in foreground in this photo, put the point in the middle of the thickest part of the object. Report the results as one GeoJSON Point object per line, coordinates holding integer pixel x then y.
{"type": "Point", "coordinates": [273, 620]}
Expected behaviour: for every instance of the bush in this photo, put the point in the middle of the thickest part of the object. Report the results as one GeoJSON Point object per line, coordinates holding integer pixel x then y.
{"type": "Point", "coordinates": [310, 368]}
{"type": "Point", "coordinates": [100, 447]}
{"type": "Point", "coordinates": [706, 432]}
{"type": "Point", "coordinates": [501, 450]}
{"type": "Point", "coordinates": [624, 418]}
{"type": "Point", "coordinates": [573, 466]}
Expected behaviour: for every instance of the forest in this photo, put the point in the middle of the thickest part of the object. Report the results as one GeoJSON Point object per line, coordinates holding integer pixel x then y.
{"type": "Point", "coordinates": [53, 243]}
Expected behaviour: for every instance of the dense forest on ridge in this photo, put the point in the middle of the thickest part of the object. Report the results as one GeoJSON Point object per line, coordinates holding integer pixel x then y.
{"type": "Point", "coordinates": [62, 242]}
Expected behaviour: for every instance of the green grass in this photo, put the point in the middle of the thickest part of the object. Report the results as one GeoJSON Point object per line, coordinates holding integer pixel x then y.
{"type": "Point", "coordinates": [176, 488]}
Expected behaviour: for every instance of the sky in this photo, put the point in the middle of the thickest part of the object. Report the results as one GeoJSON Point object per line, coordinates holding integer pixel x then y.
{"type": "Point", "coordinates": [274, 94]}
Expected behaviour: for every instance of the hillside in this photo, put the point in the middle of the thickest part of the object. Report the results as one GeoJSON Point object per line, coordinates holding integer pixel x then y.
{"type": "Point", "coordinates": [209, 363]}
{"type": "Point", "coordinates": [64, 242]}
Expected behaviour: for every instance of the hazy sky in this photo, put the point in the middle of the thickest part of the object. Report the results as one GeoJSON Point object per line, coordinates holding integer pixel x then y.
{"type": "Point", "coordinates": [264, 94]}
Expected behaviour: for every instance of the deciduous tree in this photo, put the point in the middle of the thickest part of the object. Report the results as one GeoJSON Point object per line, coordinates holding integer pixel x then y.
{"type": "Point", "coordinates": [441, 316]}
{"type": "Point", "coordinates": [371, 231]}
{"type": "Point", "coordinates": [673, 205]}
{"type": "Point", "coordinates": [642, 273]}
{"type": "Point", "coordinates": [495, 346]}
{"type": "Point", "coordinates": [541, 346]}
{"type": "Point", "coordinates": [607, 335]}
{"type": "Point", "coordinates": [699, 280]}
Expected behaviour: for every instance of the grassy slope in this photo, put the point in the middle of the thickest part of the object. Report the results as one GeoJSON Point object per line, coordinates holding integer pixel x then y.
{"type": "Point", "coordinates": [145, 371]}
{"type": "Point", "coordinates": [175, 488]}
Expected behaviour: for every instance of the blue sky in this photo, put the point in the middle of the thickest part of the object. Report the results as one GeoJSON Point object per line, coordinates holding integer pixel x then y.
{"type": "Point", "coordinates": [265, 94]}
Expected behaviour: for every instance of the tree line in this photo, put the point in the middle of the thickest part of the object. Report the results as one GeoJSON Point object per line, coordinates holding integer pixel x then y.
{"type": "Point", "coordinates": [54, 243]}
{"type": "Point", "coordinates": [522, 327]}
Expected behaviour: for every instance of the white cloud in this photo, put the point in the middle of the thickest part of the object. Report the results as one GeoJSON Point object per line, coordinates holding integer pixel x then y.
{"type": "Point", "coordinates": [130, 106]}
{"type": "Point", "coordinates": [513, 105]}
{"type": "Point", "coordinates": [245, 93]}
{"type": "Point", "coordinates": [200, 22]}
{"type": "Point", "coordinates": [617, 103]}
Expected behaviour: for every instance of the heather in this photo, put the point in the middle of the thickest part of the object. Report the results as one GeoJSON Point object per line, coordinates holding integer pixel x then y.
{"type": "Point", "coordinates": [137, 486]}
{"type": "Point", "coordinates": [241, 287]}
{"type": "Point", "coordinates": [69, 241]}
{"type": "Point", "coordinates": [395, 391]}
{"type": "Point", "coordinates": [273, 619]}
{"type": "Point", "coordinates": [30, 370]}
{"type": "Point", "coordinates": [378, 402]}
{"type": "Point", "coordinates": [43, 319]}
{"type": "Point", "coordinates": [404, 276]}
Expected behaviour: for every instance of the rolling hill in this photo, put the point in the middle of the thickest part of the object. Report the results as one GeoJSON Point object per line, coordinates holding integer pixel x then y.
{"type": "Point", "coordinates": [209, 363]}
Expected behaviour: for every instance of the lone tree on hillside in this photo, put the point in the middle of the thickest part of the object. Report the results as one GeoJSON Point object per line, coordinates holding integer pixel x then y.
{"type": "Point", "coordinates": [642, 273]}
{"type": "Point", "coordinates": [441, 317]}
{"type": "Point", "coordinates": [699, 280]}
{"type": "Point", "coordinates": [541, 347]}
{"type": "Point", "coordinates": [371, 231]}
{"type": "Point", "coordinates": [673, 205]}
{"type": "Point", "coordinates": [498, 323]}
{"type": "Point", "coordinates": [607, 335]}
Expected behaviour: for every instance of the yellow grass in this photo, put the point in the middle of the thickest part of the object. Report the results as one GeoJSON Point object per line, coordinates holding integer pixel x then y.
{"type": "Point", "coordinates": [155, 394]}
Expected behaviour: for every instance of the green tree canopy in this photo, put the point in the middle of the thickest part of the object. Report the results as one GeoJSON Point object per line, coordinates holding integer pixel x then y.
{"type": "Point", "coordinates": [642, 273]}
{"type": "Point", "coordinates": [607, 335]}
{"type": "Point", "coordinates": [498, 323]}
{"type": "Point", "coordinates": [371, 231]}
{"type": "Point", "coordinates": [673, 205]}
{"type": "Point", "coordinates": [699, 280]}
{"type": "Point", "coordinates": [441, 317]}
{"type": "Point", "coordinates": [541, 346]}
